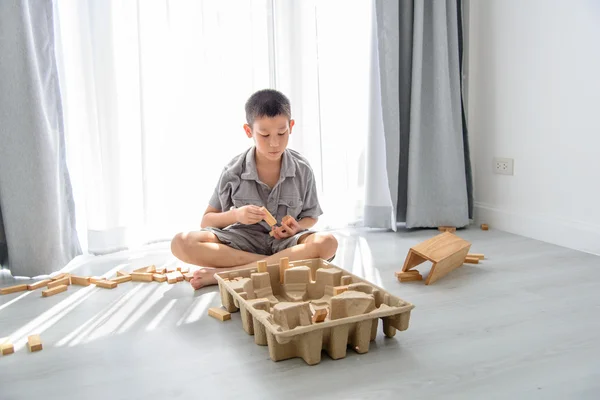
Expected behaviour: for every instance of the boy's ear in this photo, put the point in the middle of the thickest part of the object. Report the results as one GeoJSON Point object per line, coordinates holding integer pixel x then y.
{"type": "Point", "coordinates": [292, 122]}
{"type": "Point", "coordinates": [248, 130]}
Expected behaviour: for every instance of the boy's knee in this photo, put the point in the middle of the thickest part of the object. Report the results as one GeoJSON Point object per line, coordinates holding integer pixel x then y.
{"type": "Point", "coordinates": [328, 245]}
{"type": "Point", "coordinates": [177, 244]}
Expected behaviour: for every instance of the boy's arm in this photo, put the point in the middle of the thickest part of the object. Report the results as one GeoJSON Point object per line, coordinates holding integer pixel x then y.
{"type": "Point", "coordinates": [307, 222]}
{"type": "Point", "coordinates": [217, 219]}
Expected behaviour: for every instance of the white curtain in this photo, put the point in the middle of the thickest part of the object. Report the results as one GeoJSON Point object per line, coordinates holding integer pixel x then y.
{"type": "Point", "coordinates": [154, 95]}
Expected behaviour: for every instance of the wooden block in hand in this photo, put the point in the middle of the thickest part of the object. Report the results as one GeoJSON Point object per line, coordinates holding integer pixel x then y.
{"type": "Point", "coordinates": [81, 280]}
{"type": "Point", "coordinates": [63, 281]}
{"type": "Point", "coordinates": [159, 277]}
{"type": "Point", "coordinates": [54, 290]}
{"type": "Point", "coordinates": [339, 289]}
{"type": "Point", "coordinates": [39, 284]}
{"type": "Point", "coordinates": [34, 343]}
{"type": "Point", "coordinates": [142, 277]}
{"type": "Point", "coordinates": [14, 289]}
{"type": "Point", "coordinates": [6, 347]}
{"type": "Point", "coordinates": [219, 313]}
{"type": "Point", "coordinates": [268, 217]}
{"type": "Point", "coordinates": [121, 279]}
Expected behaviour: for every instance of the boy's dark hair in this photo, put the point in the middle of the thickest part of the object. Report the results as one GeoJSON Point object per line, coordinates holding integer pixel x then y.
{"type": "Point", "coordinates": [267, 103]}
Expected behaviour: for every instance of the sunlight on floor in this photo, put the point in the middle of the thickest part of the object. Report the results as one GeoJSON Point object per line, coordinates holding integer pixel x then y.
{"type": "Point", "coordinates": [50, 317]}
{"type": "Point", "coordinates": [3, 306]}
{"type": "Point", "coordinates": [154, 297]}
{"type": "Point", "coordinates": [363, 263]}
{"type": "Point", "coordinates": [159, 317]}
{"type": "Point", "coordinates": [197, 309]}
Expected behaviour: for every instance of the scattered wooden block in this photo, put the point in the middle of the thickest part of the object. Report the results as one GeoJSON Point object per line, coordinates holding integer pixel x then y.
{"type": "Point", "coordinates": [183, 269]}
{"type": "Point", "coordinates": [54, 290]}
{"type": "Point", "coordinates": [142, 277]}
{"type": "Point", "coordinates": [268, 217]}
{"type": "Point", "coordinates": [339, 289]}
{"type": "Point", "coordinates": [172, 277]}
{"type": "Point", "coordinates": [450, 229]}
{"type": "Point", "coordinates": [121, 273]}
{"type": "Point", "coordinates": [476, 255]}
{"type": "Point", "coordinates": [14, 289]}
{"type": "Point", "coordinates": [188, 277]}
{"type": "Point", "coordinates": [6, 347]}
{"type": "Point", "coordinates": [484, 227]}
{"type": "Point", "coordinates": [34, 343]}
{"type": "Point", "coordinates": [106, 284]}
{"type": "Point", "coordinates": [81, 280]}
{"type": "Point", "coordinates": [407, 273]}
{"type": "Point", "coordinates": [319, 315]}
{"type": "Point", "coordinates": [219, 313]}
{"type": "Point", "coordinates": [284, 263]}
{"type": "Point", "coordinates": [409, 278]}
{"type": "Point", "coordinates": [63, 281]}
{"type": "Point", "coordinates": [179, 276]}
{"type": "Point", "coordinates": [95, 279]}
{"type": "Point", "coordinates": [59, 276]}
{"type": "Point", "coordinates": [471, 260]}
{"type": "Point", "coordinates": [148, 269]}
{"type": "Point", "coordinates": [39, 284]}
{"type": "Point", "coordinates": [161, 270]}
{"type": "Point", "coordinates": [445, 251]}
{"type": "Point", "coordinates": [346, 280]}
{"type": "Point", "coordinates": [262, 266]}
{"type": "Point", "coordinates": [159, 277]}
{"type": "Point", "coordinates": [121, 279]}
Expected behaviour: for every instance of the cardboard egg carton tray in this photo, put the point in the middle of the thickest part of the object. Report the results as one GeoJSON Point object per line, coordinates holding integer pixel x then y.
{"type": "Point", "coordinates": [316, 306]}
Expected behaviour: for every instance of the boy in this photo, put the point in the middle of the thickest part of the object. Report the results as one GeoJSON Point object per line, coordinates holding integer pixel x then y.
{"type": "Point", "coordinates": [233, 233]}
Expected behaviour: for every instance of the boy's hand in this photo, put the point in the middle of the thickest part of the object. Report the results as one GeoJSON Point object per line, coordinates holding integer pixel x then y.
{"type": "Point", "coordinates": [289, 227]}
{"type": "Point", "coordinates": [248, 215]}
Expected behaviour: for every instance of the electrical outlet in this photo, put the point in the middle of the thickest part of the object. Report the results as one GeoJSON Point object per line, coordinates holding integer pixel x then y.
{"type": "Point", "coordinates": [503, 166]}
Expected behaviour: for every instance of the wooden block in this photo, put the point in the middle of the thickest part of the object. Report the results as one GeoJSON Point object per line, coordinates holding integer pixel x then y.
{"type": "Point", "coordinates": [121, 273]}
{"type": "Point", "coordinates": [81, 280]}
{"type": "Point", "coordinates": [284, 263]}
{"type": "Point", "coordinates": [410, 278]}
{"type": "Point", "coordinates": [159, 277]}
{"type": "Point", "coordinates": [450, 229]}
{"type": "Point", "coordinates": [172, 277]}
{"type": "Point", "coordinates": [54, 290]}
{"type": "Point", "coordinates": [161, 270]}
{"type": "Point", "coordinates": [149, 269]}
{"type": "Point", "coordinates": [183, 269]}
{"type": "Point", "coordinates": [95, 279]}
{"type": "Point", "coordinates": [178, 275]}
{"type": "Point", "coordinates": [219, 313]}
{"type": "Point", "coordinates": [319, 315]}
{"type": "Point", "coordinates": [471, 260]}
{"type": "Point", "coordinates": [262, 266]}
{"type": "Point", "coordinates": [142, 277]}
{"type": "Point", "coordinates": [188, 277]}
{"type": "Point", "coordinates": [269, 217]}
{"type": "Point", "coordinates": [339, 289]}
{"type": "Point", "coordinates": [121, 279]}
{"type": "Point", "coordinates": [286, 219]}
{"type": "Point", "coordinates": [6, 347]}
{"type": "Point", "coordinates": [106, 284]}
{"type": "Point", "coordinates": [476, 255]}
{"type": "Point", "coordinates": [484, 227]}
{"type": "Point", "coordinates": [407, 273]}
{"type": "Point", "coordinates": [64, 281]}
{"type": "Point", "coordinates": [14, 289]}
{"type": "Point", "coordinates": [39, 284]}
{"type": "Point", "coordinates": [59, 276]}
{"type": "Point", "coordinates": [34, 343]}
{"type": "Point", "coordinates": [171, 268]}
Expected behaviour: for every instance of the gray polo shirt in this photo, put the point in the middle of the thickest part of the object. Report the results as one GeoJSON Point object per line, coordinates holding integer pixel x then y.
{"type": "Point", "coordinates": [294, 194]}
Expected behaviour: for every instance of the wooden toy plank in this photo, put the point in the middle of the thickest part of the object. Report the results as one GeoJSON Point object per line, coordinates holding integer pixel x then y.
{"type": "Point", "coordinates": [106, 284]}
{"type": "Point", "coordinates": [54, 290]}
{"type": "Point", "coordinates": [219, 313]}
{"type": "Point", "coordinates": [14, 289]}
{"type": "Point", "coordinates": [39, 284]}
{"type": "Point", "coordinates": [412, 260]}
{"type": "Point", "coordinates": [269, 217]}
{"type": "Point", "coordinates": [476, 255]}
{"type": "Point", "coordinates": [95, 279]}
{"type": "Point", "coordinates": [34, 343]}
{"type": "Point", "coordinates": [410, 278]}
{"type": "Point", "coordinates": [81, 280]}
{"type": "Point", "coordinates": [59, 276]}
{"type": "Point", "coordinates": [64, 281]}
{"type": "Point", "coordinates": [407, 273]}
{"type": "Point", "coordinates": [121, 279]}
{"type": "Point", "coordinates": [142, 277]}
{"type": "Point", "coordinates": [159, 277]}
{"type": "Point", "coordinates": [471, 260]}
{"type": "Point", "coordinates": [439, 247]}
{"type": "Point", "coordinates": [447, 265]}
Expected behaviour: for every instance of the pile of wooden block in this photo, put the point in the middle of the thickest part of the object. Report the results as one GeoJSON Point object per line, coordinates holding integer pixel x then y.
{"type": "Point", "coordinates": [61, 282]}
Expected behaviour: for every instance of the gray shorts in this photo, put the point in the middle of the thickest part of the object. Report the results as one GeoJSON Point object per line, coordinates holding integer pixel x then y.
{"type": "Point", "coordinates": [255, 241]}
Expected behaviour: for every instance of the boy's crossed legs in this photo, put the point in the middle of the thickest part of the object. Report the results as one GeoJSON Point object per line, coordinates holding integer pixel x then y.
{"type": "Point", "coordinates": [203, 248]}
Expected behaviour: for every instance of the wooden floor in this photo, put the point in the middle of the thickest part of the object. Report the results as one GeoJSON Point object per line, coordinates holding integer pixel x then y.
{"type": "Point", "coordinates": [525, 323]}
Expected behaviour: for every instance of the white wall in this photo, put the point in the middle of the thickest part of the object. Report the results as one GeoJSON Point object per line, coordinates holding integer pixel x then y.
{"type": "Point", "coordinates": [534, 95]}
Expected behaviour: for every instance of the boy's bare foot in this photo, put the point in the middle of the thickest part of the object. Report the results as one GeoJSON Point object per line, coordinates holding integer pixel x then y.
{"type": "Point", "coordinates": [204, 277]}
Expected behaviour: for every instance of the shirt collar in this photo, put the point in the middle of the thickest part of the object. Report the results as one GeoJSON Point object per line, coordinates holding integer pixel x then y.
{"type": "Point", "coordinates": [288, 167]}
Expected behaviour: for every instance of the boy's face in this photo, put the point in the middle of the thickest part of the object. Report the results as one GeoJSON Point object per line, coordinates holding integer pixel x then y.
{"type": "Point", "coordinates": [271, 135]}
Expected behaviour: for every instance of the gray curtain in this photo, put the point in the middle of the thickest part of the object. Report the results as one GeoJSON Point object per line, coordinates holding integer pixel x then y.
{"type": "Point", "coordinates": [426, 140]}
{"type": "Point", "coordinates": [36, 201]}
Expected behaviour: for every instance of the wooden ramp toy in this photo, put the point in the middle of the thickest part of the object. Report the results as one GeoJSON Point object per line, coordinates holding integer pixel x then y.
{"type": "Point", "coordinates": [445, 251]}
